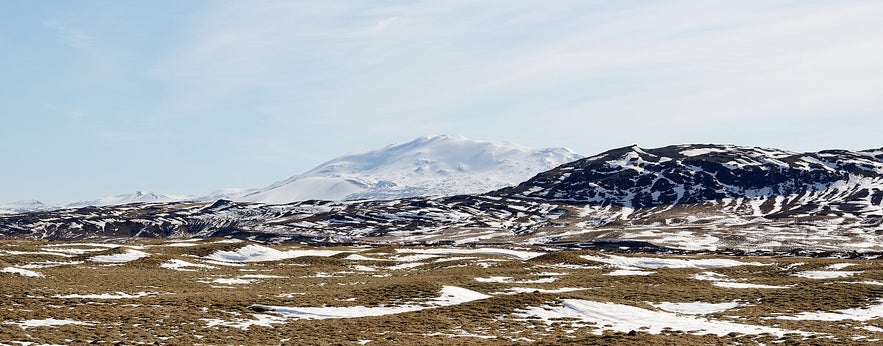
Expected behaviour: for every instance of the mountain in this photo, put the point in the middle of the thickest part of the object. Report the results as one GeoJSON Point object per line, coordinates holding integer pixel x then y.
{"type": "Point", "coordinates": [769, 181]}
{"type": "Point", "coordinates": [134, 197]}
{"type": "Point", "coordinates": [690, 197]}
{"type": "Point", "coordinates": [426, 166]}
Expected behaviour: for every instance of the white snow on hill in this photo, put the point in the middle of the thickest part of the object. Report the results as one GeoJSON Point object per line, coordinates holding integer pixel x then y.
{"type": "Point", "coordinates": [434, 165]}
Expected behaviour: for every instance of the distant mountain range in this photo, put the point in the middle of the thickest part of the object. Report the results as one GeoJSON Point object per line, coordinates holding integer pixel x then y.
{"type": "Point", "coordinates": [134, 197]}
{"type": "Point", "coordinates": [694, 197]}
{"type": "Point", "coordinates": [427, 166]}
{"type": "Point", "coordinates": [22, 207]}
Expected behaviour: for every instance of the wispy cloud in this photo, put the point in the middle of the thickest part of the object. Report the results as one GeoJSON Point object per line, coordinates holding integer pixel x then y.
{"type": "Point", "coordinates": [476, 63]}
{"type": "Point", "coordinates": [74, 37]}
{"type": "Point", "coordinates": [384, 23]}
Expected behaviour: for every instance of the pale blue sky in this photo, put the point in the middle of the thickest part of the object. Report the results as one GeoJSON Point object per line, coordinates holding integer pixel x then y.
{"type": "Point", "coordinates": [183, 97]}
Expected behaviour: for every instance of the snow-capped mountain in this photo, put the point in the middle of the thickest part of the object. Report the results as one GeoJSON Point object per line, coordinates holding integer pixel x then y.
{"type": "Point", "coordinates": [426, 166]}
{"type": "Point", "coordinates": [134, 197]}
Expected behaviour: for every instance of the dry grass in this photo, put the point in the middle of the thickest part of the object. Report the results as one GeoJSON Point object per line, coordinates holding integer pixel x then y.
{"type": "Point", "coordinates": [179, 303]}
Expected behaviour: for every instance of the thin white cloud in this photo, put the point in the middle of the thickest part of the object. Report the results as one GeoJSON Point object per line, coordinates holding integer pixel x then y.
{"type": "Point", "coordinates": [385, 23]}
{"type": "Point", "coordinates": [73, 37]}
{"type": "Point", "coordinates": [482, 63]}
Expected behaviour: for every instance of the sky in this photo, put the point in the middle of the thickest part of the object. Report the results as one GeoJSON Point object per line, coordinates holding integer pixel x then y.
{"type": "Point", "coordinates": [107, 97]}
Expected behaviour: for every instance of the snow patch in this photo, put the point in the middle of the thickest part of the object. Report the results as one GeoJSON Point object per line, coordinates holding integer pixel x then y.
{"type": "Point", "coordinates": [656, 263]}
{"type": "Point", "coordinates": [262, 320]}
{"type": "Point", "coordinates": [856, 314]}
{"type": "Point", "coordinates": [128, 256]}
{"type": "Point", "coordinates": [48, 322]}
{"type": "Point", "coordinates": [697, 308]}
{"type": "Point", "coordinates": [627, 272]}
{"type": "Point", "coordinates": [180, 265]}
{"type": "Point", "coordinates": [257, 253]}
{"type": "Point", "coordinates": [824, 274]}
{"type": "Point", "coordinates": [506, 279]}
{"type": "Point", "coordinates": [701, 151]}
{"type": "Point", "coordinates": [450, 295]}
{"type": "Point", "coordinates": [117, 295]}
{"type": "Point", "coordinates": [516, 254]}
{"type": "Point", "coordinates": [22, 272]}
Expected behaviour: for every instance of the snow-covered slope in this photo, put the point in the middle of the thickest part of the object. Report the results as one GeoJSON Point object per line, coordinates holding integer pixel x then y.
{"type": "Point", "coordinates": [134, 197]}
{"type": "Point", "coordinates": [436, 165]}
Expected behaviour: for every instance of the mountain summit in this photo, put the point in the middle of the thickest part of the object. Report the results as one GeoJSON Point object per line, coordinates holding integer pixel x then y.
{"type": "Point", "coordinates": [431, 165]}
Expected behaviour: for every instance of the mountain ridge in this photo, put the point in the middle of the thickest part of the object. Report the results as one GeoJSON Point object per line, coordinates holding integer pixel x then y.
{"type": "Point", "coordinates": [637, 177]}
{"type": "Point", "coordinates": [718, 197]}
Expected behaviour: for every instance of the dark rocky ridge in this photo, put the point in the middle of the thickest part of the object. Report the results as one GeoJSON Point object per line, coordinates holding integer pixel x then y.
{"type": "Point", "coordinates": [690, 174]}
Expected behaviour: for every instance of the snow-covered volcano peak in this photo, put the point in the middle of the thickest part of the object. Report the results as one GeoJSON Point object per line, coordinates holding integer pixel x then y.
{"type": "Point", "coordinates": [430, 165]}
